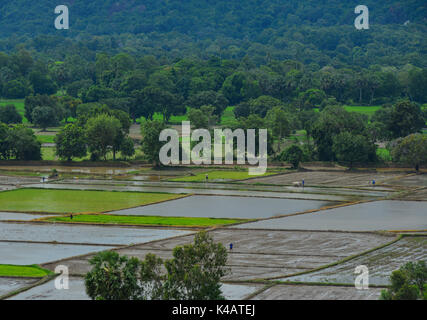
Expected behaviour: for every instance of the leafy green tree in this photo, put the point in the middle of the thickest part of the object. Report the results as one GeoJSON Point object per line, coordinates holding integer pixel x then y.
{"type": "Point", "coordinates": [411, 150]}
{"type": "Point", "coordinates": [44, 117]}
{"type": "Point", "coordinates": [352, 148]}
{"type": "Point", "coordinates": [31, 102]}
{"type": "Point", "coordinates": [4, 142]}
{"type": "Point", "coordinates": [293, 154]}
{"type": "Point", "coordinates": [407, 283]}
{"type": "Point", "coordinates": [198, 119]}
{"type": "Point", "coordinates": [194, 273]}
{"type": "Point", "coordinates": [127, 148]}
{"type": "Point", "coordinates": [23, 144]}
{"type": "Point", "coordinates": [101, 133]}
{"type": "Point", "coordinates": [42, 83]}
{"type": "Point", "coordinates": [213, 98]}
{"type": "Point", "coordinates": [16, 89]}
{"type": "Point", "coordinates": [113, 277]}
{"type": "Point", "coordinates": [278, 122]}
{"type": "Point", "coordinates": [418, 85]}
{"type": "Point", "coordinates": [9, 114]}
{"type": "Point", "coordinates": [196, 270]}
{"type": "Point", "coordinates": [332, 121]}
{"type": "Point", "coordinates": [406, 118]}
{"type": "Point", "coordinates": [261, 105]}
{"type": "Point", "coordinates": [71, 142]}
{"type": "Point", "coordinates": [150, 131]}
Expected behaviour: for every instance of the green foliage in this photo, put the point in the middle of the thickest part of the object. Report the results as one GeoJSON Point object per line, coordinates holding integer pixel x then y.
{"type": "Point", "coordinates": [150, 131]}
{"type": "Point", "coordinates": [332, 121]}
{"type": "Point", "coordinates": [102, 133]}
{"type": "Point", "coordinates": [194, 273]}
{"type": "Point", "coordinates": [127, 148]}
{"type": "Point", "coordinates": [71, 142]}
{"type": "Point", "coordinates": [113, 277]}
{"type": "Point", "coordinates": [19, 143]}
{"type": "Point", "coordinates": [293, 154]}
{"type": "Point", "coordinates": [411, 150]}
{"type": "Point", "coordinates": [9, 114]}
{"type": "Point", "coordinates": [198, 119]}
{"type": "Point", "coordinates": [407, 283]}
{"type": "Point", "coordinates": [353, 148]}
{"type": "Point", "coordinates": [44, 117]}
{"type": "Point", "coordinates": [196, 270]}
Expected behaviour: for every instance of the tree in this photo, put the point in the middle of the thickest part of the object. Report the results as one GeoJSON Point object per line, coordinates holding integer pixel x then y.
{"type": "Point", "coordinates": [196, 270]}
{"type": "Point", "coordinates": [411, 150]}
{"type": "Point", "coordinates": [127, 148]}
{"type": "Point", "coordinates": [352, 148]}
{"type": "Point", "coordinates": [23, 144]}
{"type": "Point", "coordinates": [261, 105]}
{"type": "Point", "coordinates": [150, 131]}
{"type": "Point", "coordinates": [16, 89]}
{"type": "Point", "coordinates": [194, 273]}
{"type": "Point", "coordinates": [4, 142]}
{"type": "Point", "coordinates": [213, 98]}
{"type": "Point", "coordinates": [198, 119]}
{"type": "Point", "coordinates": [332, 121]}
{"type": "Point", "coordinates": [9, 114]}
{"type": "Point", "coordinates": [101, 133]}
{"type": "Point", "coordinates": [278, 122]}
{"type": "Point", "coordinates": [113, 277]}
{"type": "Point", "coordinates": [293, 155]}
{"type": "Point", "coordinates": [71, 142]}
{"type": "Point", "coordinates": [406, 118]}
{"type": "Point", "coordinates": [31, 102]}
{"type": "Point", "coordinates": [44, 117]}
{"type": "Point", "coordinates": [42, 83]}
{"type": "Point", "coordinates": [407, 283]}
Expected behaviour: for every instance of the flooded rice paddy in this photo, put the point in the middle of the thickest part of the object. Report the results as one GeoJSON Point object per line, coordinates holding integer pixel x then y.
{"type": "Point", "coordinates": [370, 216]}
{"type": "Point", "coordinates": [82, 234]}
{"type": "Point", "coordinates": [225, 207]}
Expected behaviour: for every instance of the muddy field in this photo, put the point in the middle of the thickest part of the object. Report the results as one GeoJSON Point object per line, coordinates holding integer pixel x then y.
{"type": "Point", "coordinates": [329, 178]}
{"type": "Point", "coordinates": [371, 216]}
{"type": "Point", "coordinates": [259, 254]}
{"type": "Point", "coordinates": [15, 180]}
{"type": "Point", "coordinates": [306, 292]}
{"type": "Point", "coordinates": [410, 181]}
{"type": "Point", "coordinates": [380, 263]}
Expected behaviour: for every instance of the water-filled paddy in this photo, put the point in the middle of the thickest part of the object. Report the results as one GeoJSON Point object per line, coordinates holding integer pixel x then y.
{"type": "Point", "coordinates": [380, 263]}
{"type": "Point", "coordinates": [82, 234]}
{"type": "Point", "coordinates": [304, 292]}
{"type": "Point", "coordinates": [76, 291]}
{"type": "Point", "coordinates": [11, 284]}
{"type": "Point", "coordinates": [371, 216]}
{"type": "Point", "coordinates": [4, 216]}
{"type": "Point", "coordinates": [226, 207]}
{"type": "Point", "coordinates": [21, 253]}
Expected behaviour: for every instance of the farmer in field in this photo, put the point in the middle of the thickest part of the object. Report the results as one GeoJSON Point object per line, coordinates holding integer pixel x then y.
{"type": "Point", "coordinates": [207, 177]}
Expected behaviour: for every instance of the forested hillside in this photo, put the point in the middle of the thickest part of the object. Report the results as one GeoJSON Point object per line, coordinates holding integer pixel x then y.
{"type": "Point", "coordinates": [314, 32]}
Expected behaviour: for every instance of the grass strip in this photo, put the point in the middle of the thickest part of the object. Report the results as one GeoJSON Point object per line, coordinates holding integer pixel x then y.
{"type": "Point", "coordinates": [219, 175]}
{"type": "Point", "coordinates": [33, 271]}
{"type": "Point", "coordinates": [145, 220]}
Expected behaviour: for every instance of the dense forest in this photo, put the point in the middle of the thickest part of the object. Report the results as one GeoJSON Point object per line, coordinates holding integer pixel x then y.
{"type": "Point", "coordinates": [285, 65]}
{"type": "Point", "coordinates": [317, 33]}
